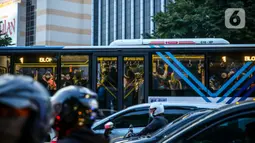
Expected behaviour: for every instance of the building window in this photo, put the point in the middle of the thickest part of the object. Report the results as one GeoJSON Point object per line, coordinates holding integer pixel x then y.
{"type": "Point", "coordinates": [128, 19]}
{"type": "Point", "coordinates": [119, 19]}
{"type": "Point", "coordinates": [95, 23]}
{"type": "Point", "coordinates": [111, 22]}
{"type": "Point", "coordinates": [137, 19]}
{"type": "Point", "coordinates": [30, 23]}
{"type": "Point", "coordinates": [103, 23]}
{"type": "Point", "coordinates": [147, 16]}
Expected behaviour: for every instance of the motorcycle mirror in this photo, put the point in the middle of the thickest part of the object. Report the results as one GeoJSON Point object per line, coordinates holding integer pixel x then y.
{"type": "Point", "coordinates": [108, 125]}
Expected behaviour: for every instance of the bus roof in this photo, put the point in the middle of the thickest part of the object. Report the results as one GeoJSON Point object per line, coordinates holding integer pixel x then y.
{"type": "Point", "coordinates": [184, 41]}
{"type": "Point", "coordinates": [229, 46]}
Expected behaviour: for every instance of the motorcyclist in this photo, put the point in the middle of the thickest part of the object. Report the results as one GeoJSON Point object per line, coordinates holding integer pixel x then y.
{"type": "Point", "coordinates": [158, 120]}
{"type": "Point", "coordinates": [76, 110]}
{"type": "Point", "coordinates": [25, 110]}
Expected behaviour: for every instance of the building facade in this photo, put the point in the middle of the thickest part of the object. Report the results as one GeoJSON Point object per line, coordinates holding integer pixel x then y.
{"type": "Point", "coordinates": [49, 22]}
{"type": "Point", "coordinates": [123, 19]}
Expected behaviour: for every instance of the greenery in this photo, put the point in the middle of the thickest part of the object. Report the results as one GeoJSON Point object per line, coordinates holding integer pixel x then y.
{"type": "Point", "coordinates": [204, 19]}
{"type": "Point", "coordinates": [5, 40]}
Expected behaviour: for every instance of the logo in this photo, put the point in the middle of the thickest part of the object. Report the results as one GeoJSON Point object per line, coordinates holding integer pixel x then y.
{"type": "Point", "coordinates": [249, 58]}
{"type": "Point", "coordinates": [45, 60]}
{"type": "Point", "coordinates": [235, 18]}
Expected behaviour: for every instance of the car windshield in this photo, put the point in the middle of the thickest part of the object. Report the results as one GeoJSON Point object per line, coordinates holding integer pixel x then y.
{"type": "Point", "coordinates": [181, 121]}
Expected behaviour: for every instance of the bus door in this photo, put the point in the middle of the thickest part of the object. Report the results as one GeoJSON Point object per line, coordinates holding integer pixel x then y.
{"type": "Point", "coordinates": [119, 79]}
{"type": "Point", "coordinates": [133, 80]}
{"type": "Point", "coordinates": [106, 69]}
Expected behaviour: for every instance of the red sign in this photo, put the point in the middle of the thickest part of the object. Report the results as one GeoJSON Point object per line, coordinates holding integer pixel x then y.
{"type": "Point", "coordinates": [8, 27]}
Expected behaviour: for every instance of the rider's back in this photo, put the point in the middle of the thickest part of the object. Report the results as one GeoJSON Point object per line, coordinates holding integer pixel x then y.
{"type": "Point", "coordinates": [158, 122]}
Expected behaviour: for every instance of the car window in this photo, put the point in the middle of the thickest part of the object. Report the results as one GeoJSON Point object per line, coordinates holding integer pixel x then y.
{"type": "Point", "coordinates": [136, 118]}
{"type": "Point", "coordinates": [237, 130]}
{"type": "Point", "coordinates": [172, 114]}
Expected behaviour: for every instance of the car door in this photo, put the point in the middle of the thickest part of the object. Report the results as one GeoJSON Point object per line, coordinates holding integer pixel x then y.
{"type": "Point", "coordinates": [238, 128]}
{"type": "Point", "coordinates": [138, 118]}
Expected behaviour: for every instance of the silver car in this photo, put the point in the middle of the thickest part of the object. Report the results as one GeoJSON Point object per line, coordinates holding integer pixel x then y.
{"type": "Point", "coordinates": [138, 116]}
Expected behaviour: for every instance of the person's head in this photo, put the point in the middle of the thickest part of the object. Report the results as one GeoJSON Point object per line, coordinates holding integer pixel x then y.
{"type": "Point", "coordinates": [25, 110]}
{"type": "Point", "coordinates": [62, 77]}
{"type": "Point", "coordinates": [68, 77]}
{"type": "Point", "coordinates": [75, 107]}
{"type": "Point", "coordinates": [47, 75]}
{"type": "Point", "coordinates": [173, 79]}
{"type": "Point", "coordinates": [156, 109]}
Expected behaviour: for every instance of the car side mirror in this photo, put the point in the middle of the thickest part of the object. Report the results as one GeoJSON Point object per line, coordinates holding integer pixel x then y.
{"type": "Point", "coordinates": [109, 126]}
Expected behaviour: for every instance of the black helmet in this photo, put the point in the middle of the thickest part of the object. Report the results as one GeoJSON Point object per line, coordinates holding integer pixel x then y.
{"type": "Point", "coordinates": [75, 107]}
{"type": "Point", "coordinates": [23, 98]}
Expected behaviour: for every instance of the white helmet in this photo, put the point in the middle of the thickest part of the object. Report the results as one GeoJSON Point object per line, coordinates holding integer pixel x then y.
{"type": "Point", "coordinates": [159, 108]}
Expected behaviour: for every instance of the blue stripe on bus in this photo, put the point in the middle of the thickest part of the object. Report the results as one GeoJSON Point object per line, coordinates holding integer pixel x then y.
{"type": "Point", "coordinates": [189, 73]}
{"type": "Point", "coordinates": [237, 84]}
{"type": "Point", "coordinates": [183, 76]}
{"type": "Point", "coordinates": [247, 94]}
{"type": "Point", "coordinates": [244, 87]}
{"type": "Point", "coordinates": [201, 84]}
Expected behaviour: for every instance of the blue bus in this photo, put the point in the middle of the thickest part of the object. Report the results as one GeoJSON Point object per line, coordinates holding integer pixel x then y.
{"type": "Point", "coordinates": [130, 72]}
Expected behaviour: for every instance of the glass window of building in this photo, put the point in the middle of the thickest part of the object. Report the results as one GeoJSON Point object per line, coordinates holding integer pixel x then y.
{"type": "Point", "coordinates": [166, 78]}
{"type": "Point", "coordinates": [137, 20]}
{"type": "Point", "coordinates": [111, 22]}
{"type": "Point", "coordinates": [74, 70]}
{"type": "Point", "coordinates": [128, 19]}
{"type": "Point", "coordinates": [41, 67]}
{"type": "Point", "coordinates": [103, 22]}
{"type": "Point", "coordinates": [4, 64]}
{"type": "Point", "coordinates": [119, 19]}
{"type": "Point", "coordinates": [147, 16]}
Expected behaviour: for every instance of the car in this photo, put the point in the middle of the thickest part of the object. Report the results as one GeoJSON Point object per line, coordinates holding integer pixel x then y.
{"type": "Point", "coordinates": [138, 116]}
{"type": "Point", "coordinates": [161, 133]}
{"type": "Point", "coordinates": [233, 123]}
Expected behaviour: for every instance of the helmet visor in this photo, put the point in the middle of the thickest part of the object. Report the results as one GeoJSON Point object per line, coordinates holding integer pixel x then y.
{"type": "Point", "coordinates": [8, 112]}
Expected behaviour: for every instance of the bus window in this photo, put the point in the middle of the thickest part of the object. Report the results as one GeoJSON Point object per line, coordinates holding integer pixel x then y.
{"type": "Point", "coordinates": [41, 67]}
{"type": "Point", "coordinates": [74, 70]}
{"type": "Point", "coordinates": [107, 82]}
{"type": "Point", "coordinates": [166, 78]}
{"type": "Point", "coordinates": [4, 64]}
{"type": "Point", "coordinates": [133, 81]}
{"type": "Point", "coordinates": [223, 67]}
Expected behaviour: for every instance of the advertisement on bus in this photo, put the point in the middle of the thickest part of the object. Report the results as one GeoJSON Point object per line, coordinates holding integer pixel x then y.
{"type": "Point", "coordinates": [9, 19]}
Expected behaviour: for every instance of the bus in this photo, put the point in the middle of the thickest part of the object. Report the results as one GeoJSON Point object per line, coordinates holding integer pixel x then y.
{"type": "Point", "coordinates": [130, 72]}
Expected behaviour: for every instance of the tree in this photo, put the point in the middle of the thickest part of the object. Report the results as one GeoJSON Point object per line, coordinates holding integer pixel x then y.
{"type": "Point", "coordinates": [5, 40]}
{"type": "Point", "coordinates": [204, 19]}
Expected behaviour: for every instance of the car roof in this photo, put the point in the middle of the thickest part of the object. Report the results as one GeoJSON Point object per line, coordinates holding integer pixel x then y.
{"type": "Point", "coordinates": [236, 107]}
{"type": "Point", "coordinates": [166, 104]}
{"type": "Point", "coordinates": [183, 104]}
